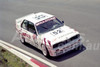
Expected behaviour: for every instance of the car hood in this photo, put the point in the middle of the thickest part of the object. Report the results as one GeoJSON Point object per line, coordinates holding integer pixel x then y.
{"type": "Point", "coordinates": [59, 34]}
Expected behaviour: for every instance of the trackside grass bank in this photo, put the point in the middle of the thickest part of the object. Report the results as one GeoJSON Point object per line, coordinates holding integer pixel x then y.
{"type": "Point", "coordinates": [8, 59]}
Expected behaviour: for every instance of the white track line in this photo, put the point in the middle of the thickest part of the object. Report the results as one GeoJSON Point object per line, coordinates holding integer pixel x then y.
{"type": "Point", "coordinates": [30, 54]}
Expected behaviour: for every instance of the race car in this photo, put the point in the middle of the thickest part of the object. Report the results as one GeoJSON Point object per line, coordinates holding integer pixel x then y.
{"type": "Point", "coordinates": [47, 33]}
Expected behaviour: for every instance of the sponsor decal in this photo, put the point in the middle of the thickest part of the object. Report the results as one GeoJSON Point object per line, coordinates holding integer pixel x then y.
{"type": "Point", "coordinates": [34, 36]}
{"type": "Point", "coordinates": [45, 41]}
{"type": "Point", "coordinates": [41, 22]}
{"type": "Point", "coordinates": [39, 17]}
{"type": "Point", "coordinates": [49, 43]}
{"type": "Point", "coordinates": [27, 35]}
{"type": "Point", "coordinates": [55, 39]}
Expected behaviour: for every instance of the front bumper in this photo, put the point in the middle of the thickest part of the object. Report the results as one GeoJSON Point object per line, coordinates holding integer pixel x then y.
{"type": "Point", "coordinates": [66, 48]}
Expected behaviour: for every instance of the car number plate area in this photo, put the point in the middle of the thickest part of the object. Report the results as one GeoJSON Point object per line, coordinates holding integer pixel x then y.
{"type": "Point", "coordinates": [59, 53]}
{"type": "Point", "coordinates": [66, 49]}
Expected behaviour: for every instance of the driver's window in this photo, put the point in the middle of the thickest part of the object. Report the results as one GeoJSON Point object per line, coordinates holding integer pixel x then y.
{"type": "Point", "coordinates": [31, 28]}
{"type": "Point", "coordinates": [24, 24]}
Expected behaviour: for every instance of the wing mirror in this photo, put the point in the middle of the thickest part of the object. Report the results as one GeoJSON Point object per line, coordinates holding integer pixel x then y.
{"type": "Point", "coordinates": [62, 22]}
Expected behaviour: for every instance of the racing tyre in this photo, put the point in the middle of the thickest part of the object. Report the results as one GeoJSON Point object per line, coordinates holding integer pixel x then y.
{"type": "Point", "coordinates": [45, 51]}
{"type": "Point", "coordinates": [22, 39]}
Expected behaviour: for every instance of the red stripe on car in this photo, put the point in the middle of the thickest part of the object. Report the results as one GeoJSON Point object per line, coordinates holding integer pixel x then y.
{"type": "Point", "coordinates": [49, 43]}
{"type": "Point", "coordinates": [45, 41]}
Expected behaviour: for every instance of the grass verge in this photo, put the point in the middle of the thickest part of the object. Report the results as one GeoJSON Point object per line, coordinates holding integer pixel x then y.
{"type": "Point", "coordinates": [8, 59]}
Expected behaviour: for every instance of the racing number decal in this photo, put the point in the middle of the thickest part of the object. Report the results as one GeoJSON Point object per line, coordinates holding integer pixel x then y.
{"type": "Point", "coordinates": [57, 32]}
{"type": "Point", "coordinates": [39, 17]}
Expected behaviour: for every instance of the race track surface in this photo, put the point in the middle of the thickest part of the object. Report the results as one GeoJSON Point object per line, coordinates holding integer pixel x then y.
{"type": "Point", "coordinates": [82, 15]}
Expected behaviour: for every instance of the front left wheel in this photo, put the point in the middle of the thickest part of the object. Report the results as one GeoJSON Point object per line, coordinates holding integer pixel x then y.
{"type": "Point", "coordinates": [45, 51]}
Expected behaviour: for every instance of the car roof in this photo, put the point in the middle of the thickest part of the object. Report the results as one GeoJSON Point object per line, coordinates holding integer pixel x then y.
{"type": "Point", "coordinates": [37, 17]}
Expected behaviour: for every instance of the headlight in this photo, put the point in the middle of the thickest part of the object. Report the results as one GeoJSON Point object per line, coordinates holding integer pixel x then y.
{"type": "Point", "coordinates": [60, 44]}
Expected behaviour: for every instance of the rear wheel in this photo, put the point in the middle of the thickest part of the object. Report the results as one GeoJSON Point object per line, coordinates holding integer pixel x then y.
{"type": "Point", "coordinates": [45, 51]}
{"type": "Point", "coordinates": [22, 39]}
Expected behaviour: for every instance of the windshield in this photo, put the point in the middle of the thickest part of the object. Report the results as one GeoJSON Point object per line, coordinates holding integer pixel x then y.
{"type": "Point", "coordinates": [48, 25]}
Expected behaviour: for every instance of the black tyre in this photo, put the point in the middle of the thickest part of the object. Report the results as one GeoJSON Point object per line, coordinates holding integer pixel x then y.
{"type": "Point", "coordinates": [22, 39]}
{"type": "Point", "coordinates": [45, 51]}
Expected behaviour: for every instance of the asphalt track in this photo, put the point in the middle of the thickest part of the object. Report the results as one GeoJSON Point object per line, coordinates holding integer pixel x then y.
{"type": "Point", "coordinates": [82, 15]}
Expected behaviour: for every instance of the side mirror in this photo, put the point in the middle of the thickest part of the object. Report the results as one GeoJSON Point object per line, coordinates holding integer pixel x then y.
{"type": "Point", "coordinates": [62, 21]}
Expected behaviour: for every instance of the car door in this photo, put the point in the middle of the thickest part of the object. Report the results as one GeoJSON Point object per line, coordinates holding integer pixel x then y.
{"type": "Point", "coordinates": [33, 34]}
{"type": "Point", "coordinates": [24, 30]}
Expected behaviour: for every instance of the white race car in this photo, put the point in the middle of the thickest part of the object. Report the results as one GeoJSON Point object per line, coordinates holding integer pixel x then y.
{"type": "Point", "coordinates": [47, 33]}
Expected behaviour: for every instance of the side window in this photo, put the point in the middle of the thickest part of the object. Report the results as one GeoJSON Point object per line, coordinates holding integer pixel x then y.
{"type": "Point", "coordinates": [31, 28]}
{"type": "Point", "coordinates": [24, 24]}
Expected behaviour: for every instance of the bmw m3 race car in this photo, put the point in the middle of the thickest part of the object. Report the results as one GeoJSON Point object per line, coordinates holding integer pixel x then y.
{"type": "Point", "coordinates": [47, 33]}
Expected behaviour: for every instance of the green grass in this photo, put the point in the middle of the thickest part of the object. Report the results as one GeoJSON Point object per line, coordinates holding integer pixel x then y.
{"type": "Point", "coordinates": [12, 60]}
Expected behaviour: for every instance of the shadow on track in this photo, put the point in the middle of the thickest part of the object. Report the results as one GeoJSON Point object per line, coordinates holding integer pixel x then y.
{"type": "Point", "coordinates": [32, 47]}
{"type": "Point", "coordinates": [63, 57]}
{"type": "Point", "coordinates": [69, 54]}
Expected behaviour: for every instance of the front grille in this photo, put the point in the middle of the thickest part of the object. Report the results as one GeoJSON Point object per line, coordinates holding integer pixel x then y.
{"type": "Point", "coordinates": [66, 41]}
